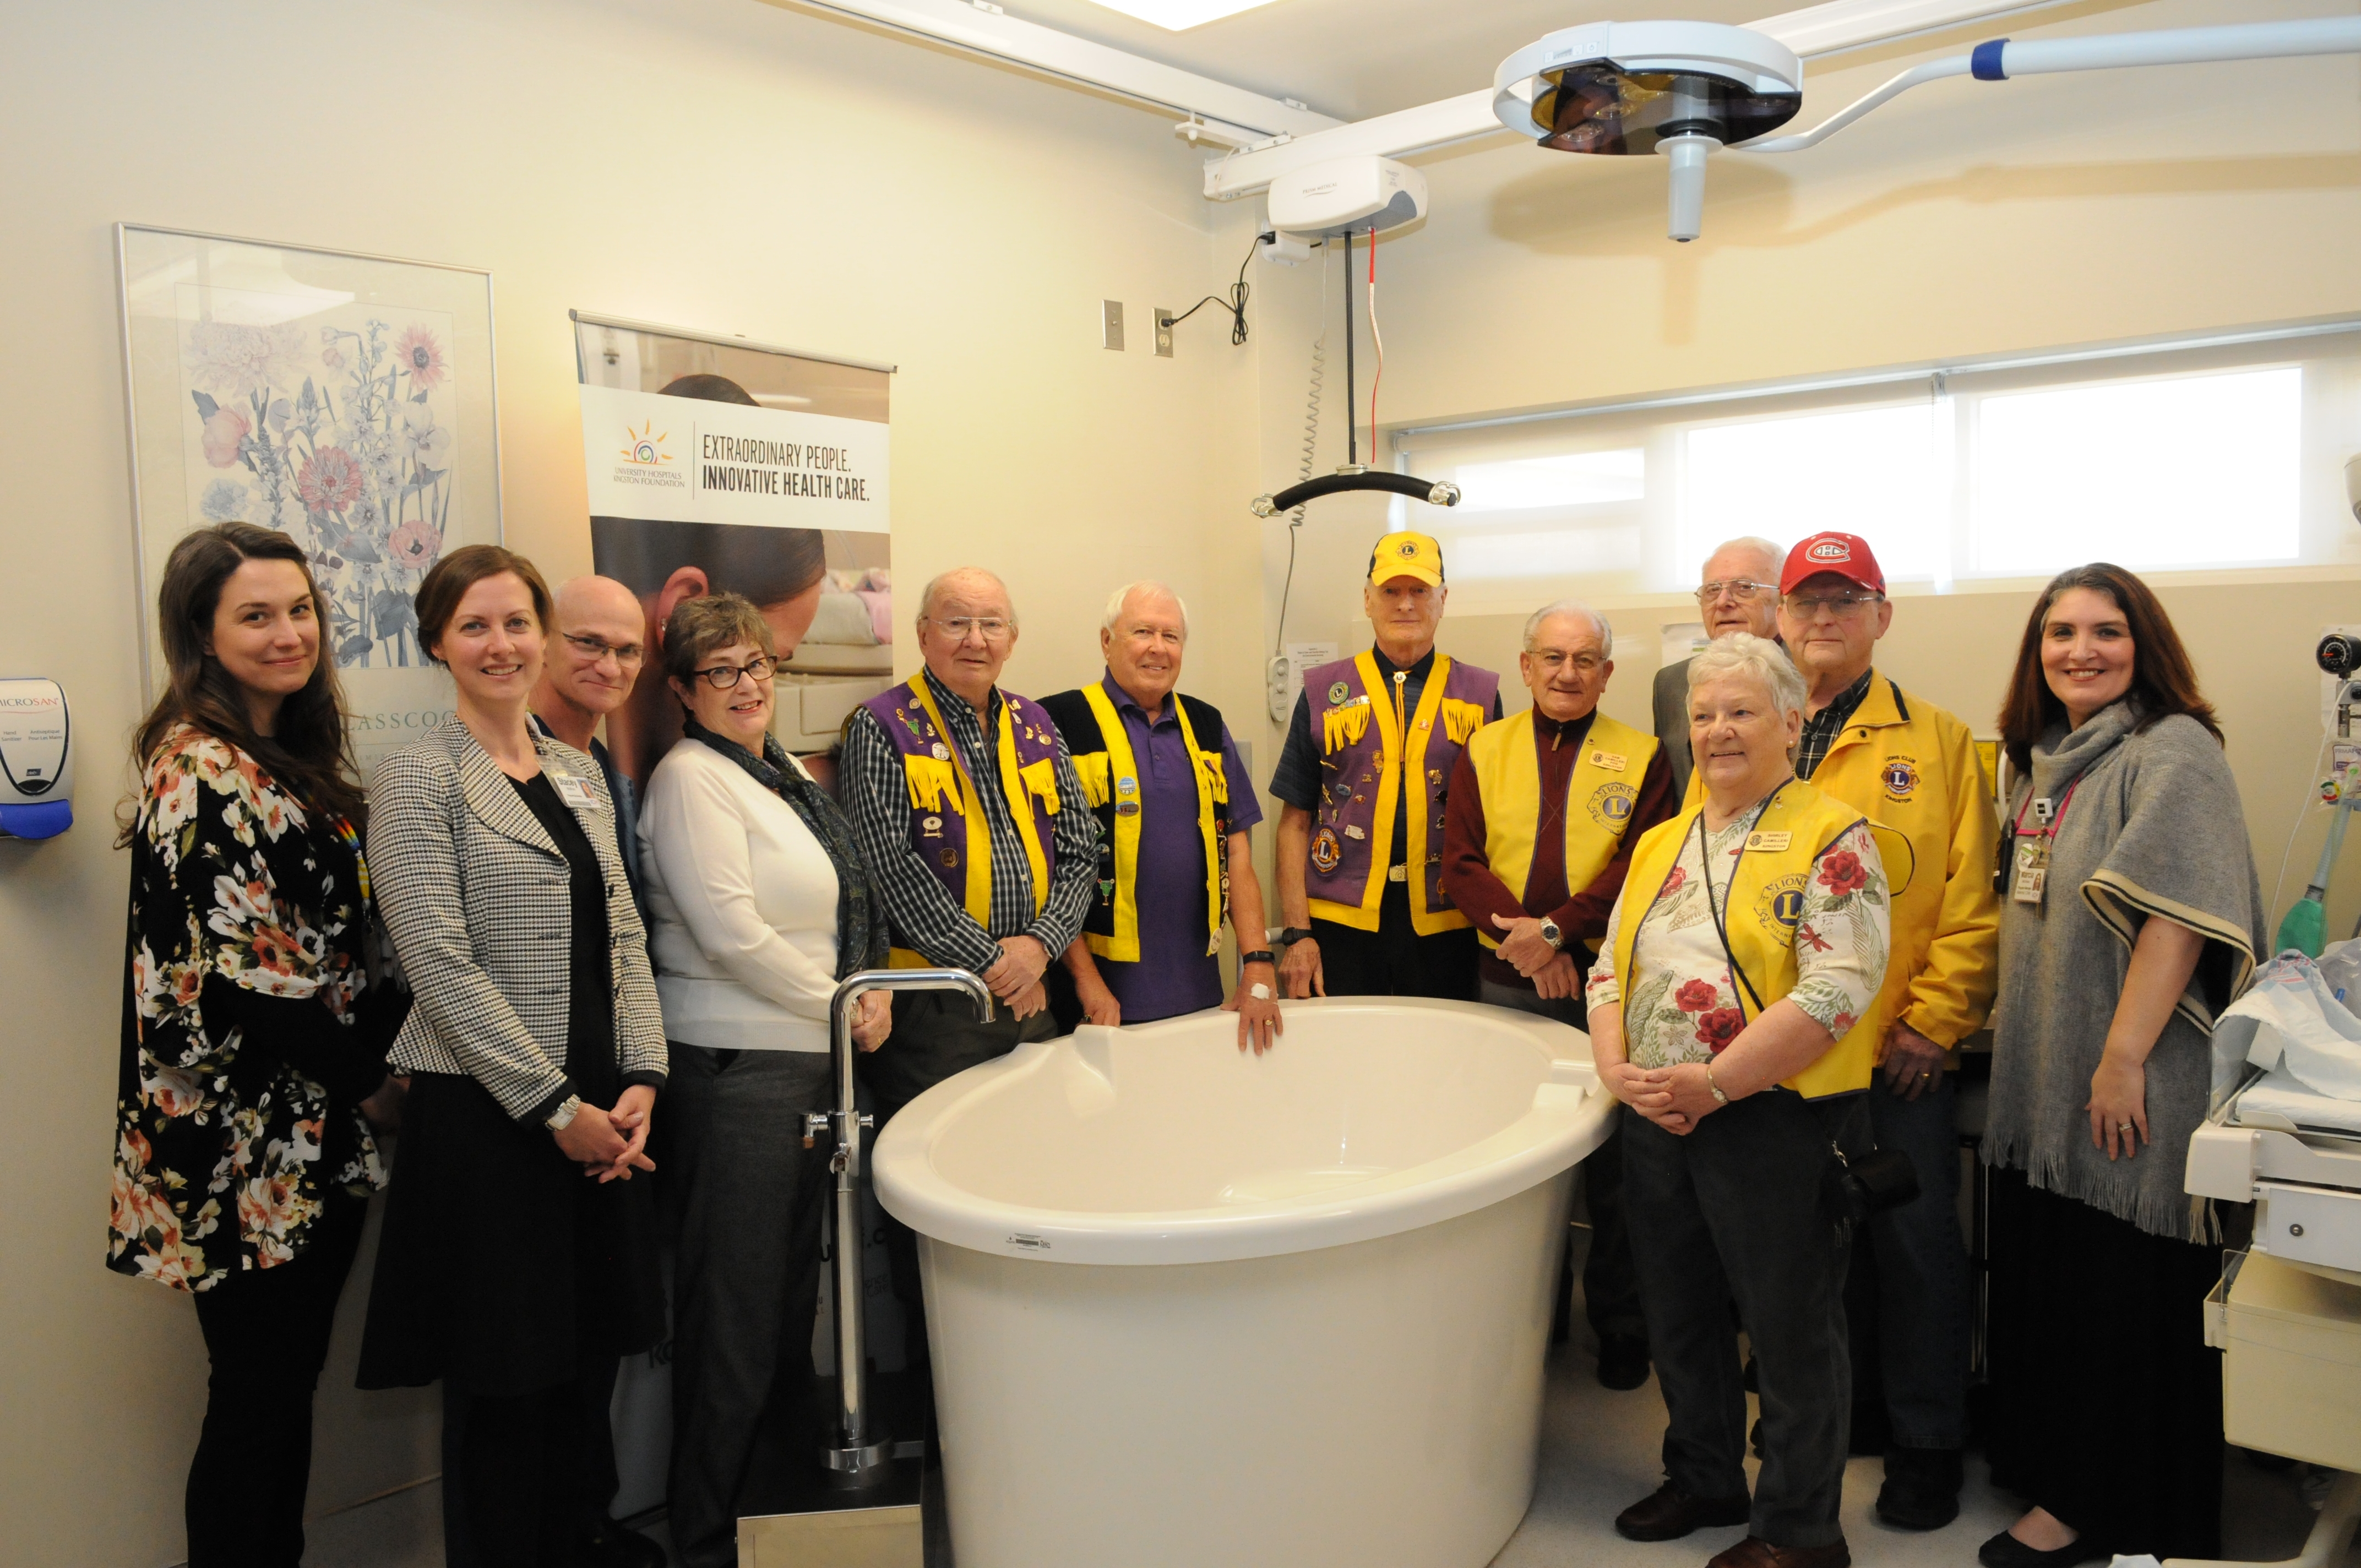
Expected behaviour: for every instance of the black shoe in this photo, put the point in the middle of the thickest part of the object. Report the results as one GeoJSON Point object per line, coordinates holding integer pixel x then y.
{"type": "Point", "coordinates": [1922, 1488]}
{"type": "Point", "coordinates": [2005, 1550]}
{"type": "Point", "coordinates": [1668, 1513]}
{"type": "Point", "coordinates": [1622, 1362]}
{"type": "Point", "coordinates": [612, 1546]}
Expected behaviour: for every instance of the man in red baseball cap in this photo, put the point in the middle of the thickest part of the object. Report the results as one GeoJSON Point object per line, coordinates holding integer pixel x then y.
{"type": "Point", "coordinates": [1913, 771]}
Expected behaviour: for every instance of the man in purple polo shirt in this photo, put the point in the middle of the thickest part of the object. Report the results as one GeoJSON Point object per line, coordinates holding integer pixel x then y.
{"type": "Point", "coordinates": [1175, 809]}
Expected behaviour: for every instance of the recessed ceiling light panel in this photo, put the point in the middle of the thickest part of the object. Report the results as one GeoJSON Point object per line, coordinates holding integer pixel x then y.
{"type": "Point", "coordinates": [1177, 15]}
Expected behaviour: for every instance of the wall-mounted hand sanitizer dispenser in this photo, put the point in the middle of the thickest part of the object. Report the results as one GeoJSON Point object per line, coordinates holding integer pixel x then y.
{"type": "Point", "coordinates": [35, 760]}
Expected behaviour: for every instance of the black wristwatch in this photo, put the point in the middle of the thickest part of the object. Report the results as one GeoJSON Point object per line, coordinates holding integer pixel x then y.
{"type": "Point", "coordinates": [1294, 934]}
{"type": "Point", "coordinates": [1261, 958]}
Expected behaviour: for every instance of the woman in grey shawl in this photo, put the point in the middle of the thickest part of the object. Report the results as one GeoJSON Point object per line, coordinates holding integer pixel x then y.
{"type": "Point", "coordinates": [2130, 917]}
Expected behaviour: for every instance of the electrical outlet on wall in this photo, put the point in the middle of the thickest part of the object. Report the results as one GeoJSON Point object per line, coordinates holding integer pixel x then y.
{"type": "Point", "coordinates": [1163, 333]}
{"type": "Point", "coordinates": [1111, 324]}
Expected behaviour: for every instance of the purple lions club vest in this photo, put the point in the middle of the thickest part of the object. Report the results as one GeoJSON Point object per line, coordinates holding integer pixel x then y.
{"type": "Point", "coordinates": [947, 824]}
{"type": "Point", "coordinates": [1362, 777]}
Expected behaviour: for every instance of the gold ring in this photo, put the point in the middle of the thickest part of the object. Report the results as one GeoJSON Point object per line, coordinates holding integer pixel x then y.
{"type": "Point", "coordinates": [2123, 1126]}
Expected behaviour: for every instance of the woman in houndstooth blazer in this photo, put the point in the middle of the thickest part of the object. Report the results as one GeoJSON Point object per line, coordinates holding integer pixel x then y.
{"type": "Point", "coordinates": [518, 1262]}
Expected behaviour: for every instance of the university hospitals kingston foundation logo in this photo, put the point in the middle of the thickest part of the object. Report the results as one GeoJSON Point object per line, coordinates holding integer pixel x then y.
{"type": "Point", "coordinates": [647, 461]}
{"type": "Point", "coordinates": [643, 449]}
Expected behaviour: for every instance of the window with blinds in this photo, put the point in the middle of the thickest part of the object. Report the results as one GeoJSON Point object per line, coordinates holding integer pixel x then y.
{"type": "Point", "coordinates": [2225, 453]}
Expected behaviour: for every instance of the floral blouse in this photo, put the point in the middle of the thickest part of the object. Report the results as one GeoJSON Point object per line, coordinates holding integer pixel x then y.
{"type": "Point", "coordinates": [1687, 1008]}
{"type": "Point", "coordinates": [247, 1044]}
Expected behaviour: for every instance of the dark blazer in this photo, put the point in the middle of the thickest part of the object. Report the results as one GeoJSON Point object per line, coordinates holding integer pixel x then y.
{"type": "Point", "coordinates": [1673, 723]}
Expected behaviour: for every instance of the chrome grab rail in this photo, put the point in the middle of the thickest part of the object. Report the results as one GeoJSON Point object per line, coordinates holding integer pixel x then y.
{"type": "Point", "coordinates": [858, 1457]}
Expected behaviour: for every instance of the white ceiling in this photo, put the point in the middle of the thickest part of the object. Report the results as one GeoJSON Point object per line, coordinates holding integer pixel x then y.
{"type": "Point", "coordinates": [1353, 59]}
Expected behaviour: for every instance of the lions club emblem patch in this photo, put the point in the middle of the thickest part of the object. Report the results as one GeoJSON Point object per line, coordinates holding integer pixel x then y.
{"type": "Point", "coordinates": [1610, 804]}
{"type": "Point", "coordinates": [1782, 904]}
{"type": "Point", "coordinates": [1899, 777]}
{"type": "Point", "coordinates": [1338, 693]}
{"type": "Point", "coordinates": [1325, 850]}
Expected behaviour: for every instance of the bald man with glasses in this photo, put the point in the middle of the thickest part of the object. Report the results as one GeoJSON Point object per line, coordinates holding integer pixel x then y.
{"type": "Point", "coordinates": [1740, 593]}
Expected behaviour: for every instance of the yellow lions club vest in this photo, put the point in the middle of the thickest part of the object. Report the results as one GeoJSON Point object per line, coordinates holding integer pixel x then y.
{"type": "Point", "coordinates": [1599, 797]}
{"type": "Point", "coordinates": [1766, 903]}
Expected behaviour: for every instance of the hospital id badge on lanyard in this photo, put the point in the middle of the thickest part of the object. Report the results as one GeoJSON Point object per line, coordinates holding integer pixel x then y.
{"type": "Point", "coordinates": [2031, 873]}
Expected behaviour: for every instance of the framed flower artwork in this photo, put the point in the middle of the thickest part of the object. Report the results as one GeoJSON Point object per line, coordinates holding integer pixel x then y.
{"type": "Point", "coordinates": [345, 400]}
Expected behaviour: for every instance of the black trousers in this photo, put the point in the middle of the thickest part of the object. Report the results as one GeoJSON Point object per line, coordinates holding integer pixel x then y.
{"type": "Point", "coordinates": [266, 1337]}
{"type": "Point", "coordinates": [1610, 1281]}
{"type": "Point", "coordinates": [935, 1035]}
{"type": "Point", "coordinates": [527, 1477]}
{"type": "Point", "coordinates": [1394, 959]}
{"type": "Point", "coordinates": [1744, 1208]}
{"type": "Point", "coordinates": [748, 1197]}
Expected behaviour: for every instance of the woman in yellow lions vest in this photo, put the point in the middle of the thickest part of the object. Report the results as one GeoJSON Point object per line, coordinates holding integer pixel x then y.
{"type": "Point", "coordinates": [1750, 935]}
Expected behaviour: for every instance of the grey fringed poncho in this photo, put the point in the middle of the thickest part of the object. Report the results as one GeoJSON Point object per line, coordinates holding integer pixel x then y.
{"type": "Point", "coordinates": [2154, 829]}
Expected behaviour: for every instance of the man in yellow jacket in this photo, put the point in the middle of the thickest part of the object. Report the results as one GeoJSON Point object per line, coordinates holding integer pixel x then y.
{"type": "Point", "coordinates": [1911, 768]}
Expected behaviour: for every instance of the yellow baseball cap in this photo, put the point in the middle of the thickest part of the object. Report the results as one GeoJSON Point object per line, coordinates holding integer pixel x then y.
{"type": "Point", "coordinates": [1407, 554]}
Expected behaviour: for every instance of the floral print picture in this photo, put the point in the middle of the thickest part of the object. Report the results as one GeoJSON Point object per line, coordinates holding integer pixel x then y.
{"type": "Point", "coordinates": [337, 426]}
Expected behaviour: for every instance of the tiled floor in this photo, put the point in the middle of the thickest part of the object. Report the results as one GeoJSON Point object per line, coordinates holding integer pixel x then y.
{"type": "Point", "coordinates": [1598, 1453]}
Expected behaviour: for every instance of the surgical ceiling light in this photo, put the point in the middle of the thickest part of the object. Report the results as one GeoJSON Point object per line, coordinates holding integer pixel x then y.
{"type": "Point", "coordinates": [1687, 88]}
{"type": "Point", "coordinates": [1677, 88]}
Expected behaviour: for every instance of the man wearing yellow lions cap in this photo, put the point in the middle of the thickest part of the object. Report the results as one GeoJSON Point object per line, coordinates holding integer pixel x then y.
{"type": "Point", "coordinates": [1362, 782]}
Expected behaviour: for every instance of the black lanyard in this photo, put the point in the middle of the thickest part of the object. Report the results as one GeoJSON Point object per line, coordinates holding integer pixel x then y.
{"type": "Point", "coordinates": [1713, 900]}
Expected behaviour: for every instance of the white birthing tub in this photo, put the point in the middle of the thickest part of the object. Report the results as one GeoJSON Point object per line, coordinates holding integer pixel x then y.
{"type": "Point", "coordinates": [1190, 1306]}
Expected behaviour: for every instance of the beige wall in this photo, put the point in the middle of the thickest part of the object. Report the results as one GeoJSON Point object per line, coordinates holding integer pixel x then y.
{"type": "Point", "coordinates": [1963, 219]}
{"type": "Point", "coordinates": [719, 164]}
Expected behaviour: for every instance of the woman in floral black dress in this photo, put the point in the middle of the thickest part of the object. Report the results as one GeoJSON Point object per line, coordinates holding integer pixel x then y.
{"type": "Point", "coordinates": [253, 1038]}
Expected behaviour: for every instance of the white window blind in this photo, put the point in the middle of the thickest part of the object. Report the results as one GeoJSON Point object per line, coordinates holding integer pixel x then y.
{"type": "Point", "coordinates": [2206, 455]}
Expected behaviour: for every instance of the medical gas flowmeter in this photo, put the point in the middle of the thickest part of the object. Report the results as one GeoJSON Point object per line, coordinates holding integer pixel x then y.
{"type": "Point", "coordinates": [35, 760]}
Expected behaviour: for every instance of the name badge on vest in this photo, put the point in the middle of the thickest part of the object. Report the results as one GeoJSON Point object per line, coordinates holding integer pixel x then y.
{"type": "Point", "coordinates": [1768, 843]}
{"type": "Point", "coordinates": [574, 792]}
{"type": "Point", "coordinates": [1614, 762]}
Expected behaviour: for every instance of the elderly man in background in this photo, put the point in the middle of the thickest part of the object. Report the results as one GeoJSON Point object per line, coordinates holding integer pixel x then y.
{"type": "Point", "coordinates": [1911, 768]}
{"type": "Point", "coordinates": [1175, 809]}
{"type": "Point", "coordinates": [1740, 593]}
{"type": "Point", "coordinates": [1360, 828]}
{"type": "Point", "coordinates": [967, 810]}
{"type": "Point", "coordinates": [1543, 810]}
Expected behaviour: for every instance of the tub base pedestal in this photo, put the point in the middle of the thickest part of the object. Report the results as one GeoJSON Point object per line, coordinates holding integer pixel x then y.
{"type": "Point", "coordinates": [1377, 1402]}
{"type": "Point", "coordinates": [876, 1533]}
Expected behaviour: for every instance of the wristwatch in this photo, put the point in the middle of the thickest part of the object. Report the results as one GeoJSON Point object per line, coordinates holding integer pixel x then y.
{"type": "Point", "coordinates": [557, 1121]}
{"type": "Point", "coordinates": [1261, 958]}
{"type": "Point", "coordinates": [1294, 934]}
{"type": "Point", "coordinates": [1552, 935]}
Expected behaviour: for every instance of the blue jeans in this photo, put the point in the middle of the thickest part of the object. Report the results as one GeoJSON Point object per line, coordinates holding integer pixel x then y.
{"type": "Point", "coordinates": [1907, 1300]}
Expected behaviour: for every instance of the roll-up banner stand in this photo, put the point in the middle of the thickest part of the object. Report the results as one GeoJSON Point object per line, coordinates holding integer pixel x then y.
{"type": "Point", "coordinates": [716, 465]}
{"type": "Point", "coordinates": [719, 465]}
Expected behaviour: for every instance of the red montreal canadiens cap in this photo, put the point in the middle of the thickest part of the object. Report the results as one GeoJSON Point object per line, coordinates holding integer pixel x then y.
{"type": "Point", "coordinates": [1846, 554]}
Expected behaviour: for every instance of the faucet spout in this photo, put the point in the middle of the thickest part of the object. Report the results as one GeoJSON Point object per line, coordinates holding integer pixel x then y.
{"type": "Point", "coordinates": [860, 1456]}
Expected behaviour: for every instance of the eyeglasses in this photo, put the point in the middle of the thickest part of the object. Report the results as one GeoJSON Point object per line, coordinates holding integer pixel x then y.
{"type": "Point", "coordinates": [990, 627]}
{"type": "Point", "coordinates": [1582, 664]}
{"type": "Point", "coordinates": [725, 677]}
{"type": "Point", "coordinates": [627, 656]}
{"type": "Point", "coordinates": [1807, 607]}
{"type": "Point", "coordinates": [1744, 590]}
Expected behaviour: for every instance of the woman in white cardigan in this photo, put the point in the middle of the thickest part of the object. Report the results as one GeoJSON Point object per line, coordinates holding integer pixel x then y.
{"type": "Point", "coordinates": [757, 905]}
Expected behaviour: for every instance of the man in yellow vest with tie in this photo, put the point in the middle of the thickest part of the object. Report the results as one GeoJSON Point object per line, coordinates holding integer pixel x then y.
{"type": "Point", "coordinates": [1544, 809]}
{"type": "Point", "coordinates": [1361, 782]}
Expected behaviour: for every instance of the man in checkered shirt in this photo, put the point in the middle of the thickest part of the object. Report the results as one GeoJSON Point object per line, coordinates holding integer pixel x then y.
{"type": "Point", "coordinates": [969, 816]}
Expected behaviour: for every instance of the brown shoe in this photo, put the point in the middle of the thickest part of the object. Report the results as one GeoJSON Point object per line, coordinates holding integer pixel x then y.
{"type": "Point", "coordinates": [1756, 1552]}
{"type": "Point", "coordinates": [1668, 1513]}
